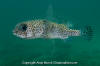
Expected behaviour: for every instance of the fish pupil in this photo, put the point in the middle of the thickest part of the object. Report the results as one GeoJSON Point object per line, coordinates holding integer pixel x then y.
{"type": "Point", "coordinates": [23, 27]}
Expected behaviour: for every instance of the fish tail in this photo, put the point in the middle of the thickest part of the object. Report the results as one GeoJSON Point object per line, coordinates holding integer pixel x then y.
{"type": "Point", "coordinates": [87, 33]}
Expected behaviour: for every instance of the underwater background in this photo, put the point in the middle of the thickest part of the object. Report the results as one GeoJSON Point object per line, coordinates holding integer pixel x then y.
{"type": "Point", "coordinates": [14, 50]}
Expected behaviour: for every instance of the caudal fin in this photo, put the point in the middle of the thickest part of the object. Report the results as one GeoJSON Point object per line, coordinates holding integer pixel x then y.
{"type": "Point", "coordinates": [87, 33]}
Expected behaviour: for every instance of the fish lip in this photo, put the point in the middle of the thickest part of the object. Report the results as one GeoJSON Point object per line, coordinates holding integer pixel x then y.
{"type": "Point", "coordinates": [14, 33]}
{"type": "Point", "coordinates": [18, 35]}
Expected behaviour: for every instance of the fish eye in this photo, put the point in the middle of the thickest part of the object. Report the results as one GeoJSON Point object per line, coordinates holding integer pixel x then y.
{"type": "Point", "coordinates": [23, 27]}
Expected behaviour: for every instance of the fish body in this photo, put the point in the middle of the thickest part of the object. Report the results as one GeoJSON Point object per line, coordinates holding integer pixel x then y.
{"type": "Point", "coordinates": [43, 29]}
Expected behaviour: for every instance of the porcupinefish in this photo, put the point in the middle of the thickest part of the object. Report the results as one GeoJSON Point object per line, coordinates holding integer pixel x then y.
{"type": "Point", "coordinates": [44, 29]}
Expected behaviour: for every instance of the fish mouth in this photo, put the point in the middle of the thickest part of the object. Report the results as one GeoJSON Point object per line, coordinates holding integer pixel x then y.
{"type": "Point", "coordinates": [21, 36]}
{"type": "Point", "coordinates": [15, 33]}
